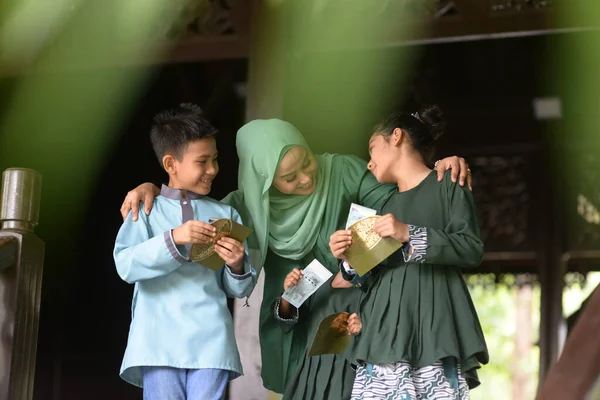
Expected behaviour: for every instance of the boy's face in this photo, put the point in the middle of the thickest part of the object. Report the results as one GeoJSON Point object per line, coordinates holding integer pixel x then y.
{"type": "Point", "coordinates": [198, 167]}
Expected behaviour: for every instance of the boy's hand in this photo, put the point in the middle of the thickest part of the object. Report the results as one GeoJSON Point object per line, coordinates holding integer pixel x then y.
{"type": "Point", "coordinates": [354, 324]}
{"type": "Point", "coordinates": [232, 252]}
{"type": "Point", "coordinates": [194, 232]}
{"type": "Point", "coordinates": [339, 242]}
{"type": "Point", "coordinates": [292, 279]}
{"type": "Point", "coordinates": [389, 226]}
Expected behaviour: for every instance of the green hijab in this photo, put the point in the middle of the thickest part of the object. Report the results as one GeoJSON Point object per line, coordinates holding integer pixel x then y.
{"type": "Point", "coordinates": [286, 224]}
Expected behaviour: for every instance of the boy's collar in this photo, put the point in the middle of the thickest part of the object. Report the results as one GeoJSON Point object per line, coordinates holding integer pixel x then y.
{"type": "Point", "coordinates": [176, 194]}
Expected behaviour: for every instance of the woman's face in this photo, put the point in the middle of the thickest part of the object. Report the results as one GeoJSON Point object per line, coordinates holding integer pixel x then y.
{"type": "Point", "coordinates": [297, 172]}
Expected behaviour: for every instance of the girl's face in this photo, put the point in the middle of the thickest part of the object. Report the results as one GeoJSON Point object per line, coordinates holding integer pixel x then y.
{"type": "Point", "coordinates": [297, 172]}
{"type": "Point", "coordinates": [383, 156]}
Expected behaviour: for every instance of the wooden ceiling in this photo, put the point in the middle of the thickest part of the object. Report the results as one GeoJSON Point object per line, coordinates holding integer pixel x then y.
{"type": "Point", "coordinates": [221, 29]}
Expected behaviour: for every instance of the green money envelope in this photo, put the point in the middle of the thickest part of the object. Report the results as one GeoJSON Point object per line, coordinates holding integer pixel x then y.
{"type": "Point", "coordinates": [204, 253]}
{"type": "Point", "coordinates": [368, 248]}
{"type": "Point", "coordinates": [332, 335]}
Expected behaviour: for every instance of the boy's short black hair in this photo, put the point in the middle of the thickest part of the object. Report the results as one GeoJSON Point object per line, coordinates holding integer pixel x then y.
{"type": "Point", "coordinates": [174, 129]}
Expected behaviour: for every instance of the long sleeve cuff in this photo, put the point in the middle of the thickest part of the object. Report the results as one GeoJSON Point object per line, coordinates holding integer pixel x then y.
{"type": "Point", "coordinates": [350, 275]}
{"type": "Point", "coordinates": [288, 321]}
{"type": "Point", "coordinates": [178, 252]}
{"type": "Point", "coordinates": [239, 277]}
{"type": "Point", "coordinates": [415, 250]}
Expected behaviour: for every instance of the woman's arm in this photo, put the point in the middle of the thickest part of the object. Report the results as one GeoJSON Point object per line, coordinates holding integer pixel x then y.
{"type": "Point", "coordinates": [144, 193]}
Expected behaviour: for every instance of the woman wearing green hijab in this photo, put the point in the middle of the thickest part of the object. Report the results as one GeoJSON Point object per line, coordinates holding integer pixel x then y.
{"type": "Point", "coordinates": [294, 200]}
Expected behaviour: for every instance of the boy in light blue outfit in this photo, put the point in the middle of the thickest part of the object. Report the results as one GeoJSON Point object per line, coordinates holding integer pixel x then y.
{"type": "Point", "coordinates": [181, 342]}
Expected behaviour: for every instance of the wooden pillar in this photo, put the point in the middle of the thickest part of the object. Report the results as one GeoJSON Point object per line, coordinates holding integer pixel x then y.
{"type": "Point", "coordinates": [266, 67]}
{"type": "Point", "coordinates": [552, 268]}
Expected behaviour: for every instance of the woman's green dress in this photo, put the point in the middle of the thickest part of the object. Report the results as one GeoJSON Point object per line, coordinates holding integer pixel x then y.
{"type": "Point", "coordinates": [289, 232]}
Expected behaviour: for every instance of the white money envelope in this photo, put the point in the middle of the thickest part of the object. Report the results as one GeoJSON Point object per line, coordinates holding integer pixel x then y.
{"type": "Point", "coordinates": [314, 276]}
{"type": "Point", "coordinates": [358, 212]}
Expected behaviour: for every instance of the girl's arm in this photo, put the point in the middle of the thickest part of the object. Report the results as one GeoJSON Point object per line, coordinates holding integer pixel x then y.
{"type": "Point", "coordinates": [373, 194]}
{"type": "Point", "coordinates": [286, 314]}
{"type": "Point", "coordinates": [459, 243]}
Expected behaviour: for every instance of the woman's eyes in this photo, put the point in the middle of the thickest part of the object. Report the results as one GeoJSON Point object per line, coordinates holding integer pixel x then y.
{"type": "Point", "coordinates": [306, 164]}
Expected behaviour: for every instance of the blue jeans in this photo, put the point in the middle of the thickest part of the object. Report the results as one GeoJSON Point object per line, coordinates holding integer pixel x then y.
{"type": "Point", "coordinates": [166, 383]}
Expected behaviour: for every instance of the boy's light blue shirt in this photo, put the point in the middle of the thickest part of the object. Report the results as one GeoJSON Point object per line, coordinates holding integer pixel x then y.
{"type": "Point", "coordinates": [180, 317]}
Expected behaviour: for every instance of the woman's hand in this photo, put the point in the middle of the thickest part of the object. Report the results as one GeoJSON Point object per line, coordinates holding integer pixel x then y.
{"type": "Point", "coordinates": [145, 191]}
{"type": "Point", "coordinates": [389, 226]}
{"type": "Point", "coordinates": [339, 242]}
{"type": "Point", "coordinates": [459, 168]}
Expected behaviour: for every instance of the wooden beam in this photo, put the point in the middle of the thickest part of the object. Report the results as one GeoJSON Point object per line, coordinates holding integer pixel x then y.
{"type": "Point", "coordinates": [471, 8]}
{"type": "Point", "coordinates": [189, 48]}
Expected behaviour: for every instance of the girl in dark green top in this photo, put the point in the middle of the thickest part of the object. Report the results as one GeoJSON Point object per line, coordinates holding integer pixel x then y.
{"type": "Point", "coordinates": [420, 335]}
{"type": "Point", "coordinates": [294, 200]}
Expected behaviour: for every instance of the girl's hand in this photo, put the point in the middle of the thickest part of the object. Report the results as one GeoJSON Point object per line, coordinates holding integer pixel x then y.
{"type": "Point", "coordinates": [354, 324]}
{"type": "Point", "coordinates": [339, 282]}
{"type": "Point", "coordinates": [339, 243]}
{"type": "Point", "coordinates": [232, 252]}
{"type": "Point", "coordinates": [292, 279]}
{"type": "Point", "coordinates": [389, 226]}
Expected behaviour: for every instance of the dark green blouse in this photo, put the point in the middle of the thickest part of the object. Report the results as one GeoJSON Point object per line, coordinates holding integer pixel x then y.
{"type": "Point", "coordinates": [421, 311]}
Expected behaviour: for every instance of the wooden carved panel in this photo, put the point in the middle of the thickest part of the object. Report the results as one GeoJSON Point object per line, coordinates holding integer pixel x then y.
{"type": "Point", "coordinates": [200, 19]}
{"type": "Point", "coordinates": [583, 200]}
{"type": "Point", "coordinates": [503, 196]}
{"type": "Point", "coordinates": [517, 6]}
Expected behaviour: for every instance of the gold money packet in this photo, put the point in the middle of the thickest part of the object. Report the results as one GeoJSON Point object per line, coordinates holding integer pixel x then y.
{"type": "Point", "coordinates": [368, 248]}
{"type": "Point", "coordinates": [204, 253]}
{"type": "Point", "coordinates": [332, 336]}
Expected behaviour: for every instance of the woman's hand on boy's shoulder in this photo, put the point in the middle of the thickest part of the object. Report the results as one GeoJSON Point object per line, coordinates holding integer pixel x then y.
{"type": "Point", "coordinates": [144, 193]}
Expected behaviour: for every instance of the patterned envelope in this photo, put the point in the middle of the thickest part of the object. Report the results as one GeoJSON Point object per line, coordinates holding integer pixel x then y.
{"type": "Point", "coordinates": [368, 248]}
{"type": "Point", "coordinates": [332, 335]}
{"type": "Point", "coordinates": [204, 253]}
